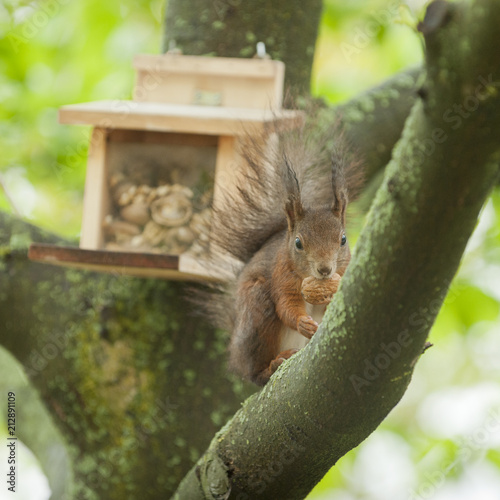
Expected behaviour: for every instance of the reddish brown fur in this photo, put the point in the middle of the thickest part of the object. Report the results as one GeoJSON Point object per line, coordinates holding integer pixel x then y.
{"type": "Point", "coordinates": [274, 207]}
{"type": "Point", "coordinates": [269, 292]}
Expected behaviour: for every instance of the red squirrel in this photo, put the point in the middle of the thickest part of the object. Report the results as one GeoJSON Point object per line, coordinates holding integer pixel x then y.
{"type": "Point", "coordinates": [286, 224]}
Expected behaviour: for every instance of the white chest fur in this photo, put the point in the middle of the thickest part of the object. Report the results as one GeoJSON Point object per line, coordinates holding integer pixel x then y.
{"type": "Point", "coordinates": [292, 339]}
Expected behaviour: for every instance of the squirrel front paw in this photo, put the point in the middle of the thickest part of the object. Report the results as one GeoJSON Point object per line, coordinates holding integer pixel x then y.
{"type": "Point", "coordinates": [307, 326]}
{"type": "Point", "coordinates": [319, 291]}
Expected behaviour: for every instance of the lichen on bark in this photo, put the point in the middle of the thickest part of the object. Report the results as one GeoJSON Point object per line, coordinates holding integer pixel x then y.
{"type": "Point", "coordinates": [119, 362]}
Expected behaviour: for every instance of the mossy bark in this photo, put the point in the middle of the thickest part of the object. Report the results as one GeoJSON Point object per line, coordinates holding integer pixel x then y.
{"type": "Point", "coordinates": [330, 396]}
{"type": "Point", "coordinates": [232, 28]}
{"type": "Point", "coordinates": [136, 383]}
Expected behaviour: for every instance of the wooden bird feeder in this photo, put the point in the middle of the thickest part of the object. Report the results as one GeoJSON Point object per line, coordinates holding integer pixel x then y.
{"type": "Point", "coordinates": [155, 162]}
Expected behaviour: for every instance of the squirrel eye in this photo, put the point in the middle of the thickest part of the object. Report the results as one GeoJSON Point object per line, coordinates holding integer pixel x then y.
{"type": "Point", "coordinates": [343, 241]}
{"type": "Point", "coordinates": [298, 244]}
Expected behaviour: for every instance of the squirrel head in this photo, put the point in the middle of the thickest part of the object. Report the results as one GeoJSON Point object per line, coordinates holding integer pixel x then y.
{"type": "Point", "coordinates": [317, 243]}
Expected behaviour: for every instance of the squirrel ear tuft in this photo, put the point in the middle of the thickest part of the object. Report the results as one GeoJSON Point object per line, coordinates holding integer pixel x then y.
{"type": "Point", "coordinates": [293, 204]}
{"type": "Point", "coordinates": [339, 190]}
{"type": "Point", "coordinates": [339, 204]}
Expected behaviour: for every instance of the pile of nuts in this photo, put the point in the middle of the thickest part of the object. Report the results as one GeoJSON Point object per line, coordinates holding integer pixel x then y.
{"type": "Point", "coordinates": [161, 219]}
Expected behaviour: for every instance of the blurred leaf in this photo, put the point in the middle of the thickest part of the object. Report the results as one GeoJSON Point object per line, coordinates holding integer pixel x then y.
{"type": "Point", "coordinates": [468, 306]}
{"type": "Point", "coordinates": [493, 456]}
{"type": "Point", "coordinates": [56, 53]}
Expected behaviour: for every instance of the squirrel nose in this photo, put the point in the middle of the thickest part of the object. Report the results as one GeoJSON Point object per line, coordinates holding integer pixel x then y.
{"type": "Point", "coordinates": [324, 270]}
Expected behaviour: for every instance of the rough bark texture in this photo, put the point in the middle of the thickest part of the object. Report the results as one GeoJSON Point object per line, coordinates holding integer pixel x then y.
{"type": "Point", "coordinates": [232, 28]}
{"type": "Point", "coordinates": [335, 392]}
{"type": "Point", "coordinates": [135, 382]}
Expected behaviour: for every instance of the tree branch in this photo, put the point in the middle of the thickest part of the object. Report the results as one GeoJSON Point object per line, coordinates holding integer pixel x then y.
{"type": "Point", "coordinates": [335, 392]}
{"type": "Point", "coordinates": [374, 120]}
{"type": "Point", "coordinates": [118, 362]}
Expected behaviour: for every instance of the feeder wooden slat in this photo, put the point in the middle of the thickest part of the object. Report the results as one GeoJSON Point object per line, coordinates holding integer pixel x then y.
{"type": "Point", "coordinates": [162, 117]}
{"type": "Point", "coordinates": [220, 66]}
{"type": "Point", "coordinates": [231, 82]}
{"type": "Point", "coordinates": [122, 263]}
{"type": "Point", "coordinates": [96, 194]}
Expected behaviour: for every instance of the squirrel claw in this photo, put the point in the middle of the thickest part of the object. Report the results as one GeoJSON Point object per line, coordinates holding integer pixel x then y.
{"type": "Point", "coordinates": [282, 356]}
{"type": "Point", "coordinates": [307, 326]}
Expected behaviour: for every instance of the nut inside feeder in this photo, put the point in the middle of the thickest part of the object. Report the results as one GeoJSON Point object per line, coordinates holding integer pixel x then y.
{"type": "Point", "coordinates": [156, 207]}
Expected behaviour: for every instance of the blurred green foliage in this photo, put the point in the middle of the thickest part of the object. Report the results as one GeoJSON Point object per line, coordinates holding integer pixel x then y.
{"type": "Point", "coordinates": [55, 52]}
{"type": "Point", "coordinates": [362, 42]}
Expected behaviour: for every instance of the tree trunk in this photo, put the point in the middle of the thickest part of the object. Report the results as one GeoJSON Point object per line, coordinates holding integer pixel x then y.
{"type": "Point", "coordinates": [232, 28]}
{"type": "Point", "coordinates": [120, 362]}
{"type": "Point", "coordinates": [329, 397]}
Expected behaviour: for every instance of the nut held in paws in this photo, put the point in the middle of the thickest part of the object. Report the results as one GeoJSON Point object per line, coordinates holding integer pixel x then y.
{"type": "Point", "coordinates": [319, 291]}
